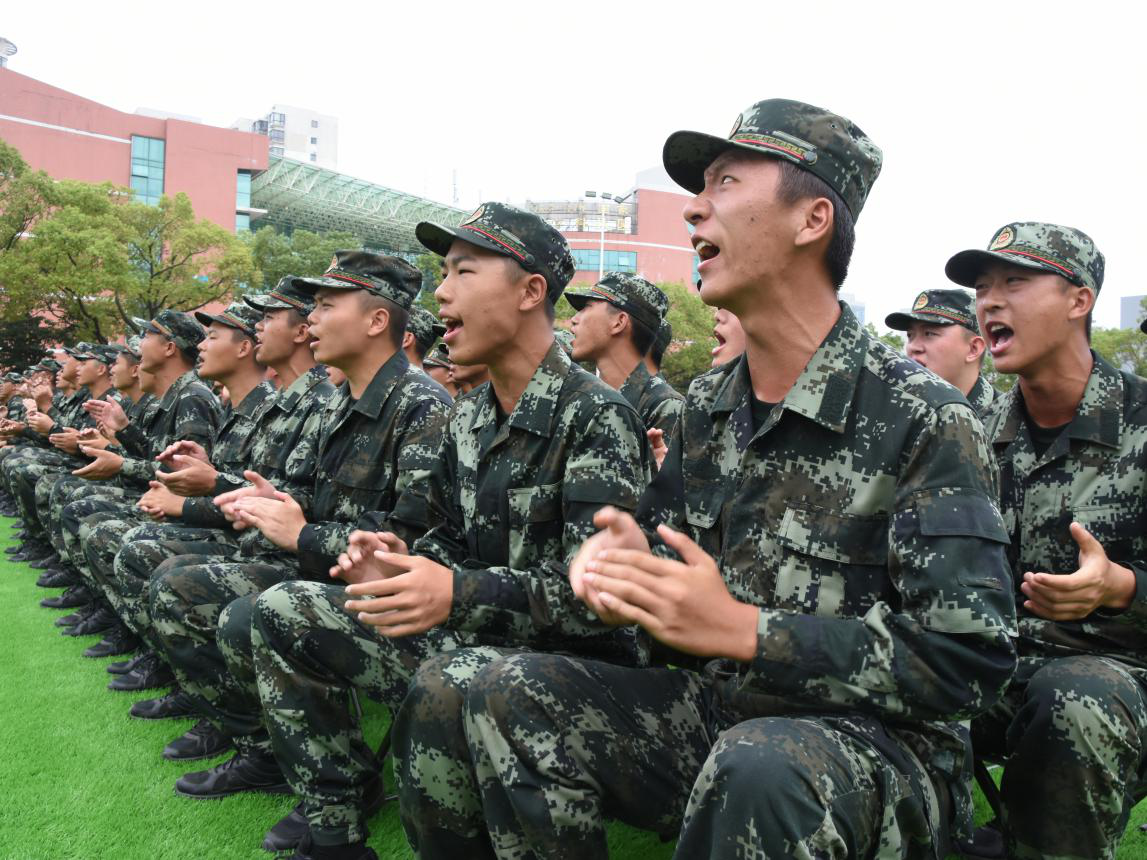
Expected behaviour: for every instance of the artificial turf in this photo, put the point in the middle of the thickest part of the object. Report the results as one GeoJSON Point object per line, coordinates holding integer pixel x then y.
{"type": "Point", "coordinates": [82, 779]}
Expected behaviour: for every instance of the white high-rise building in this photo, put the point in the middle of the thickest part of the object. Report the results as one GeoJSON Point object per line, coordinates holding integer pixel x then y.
{"type": "Point", "coordinates": [298, 133]}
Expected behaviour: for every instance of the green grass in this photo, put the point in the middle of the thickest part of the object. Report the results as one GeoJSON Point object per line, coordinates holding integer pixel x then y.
{"type": "Point", "coordinates": [84, 780]}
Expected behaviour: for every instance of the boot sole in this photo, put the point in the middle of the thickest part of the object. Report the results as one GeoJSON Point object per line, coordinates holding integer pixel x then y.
{"type": "Point", "coordinates": [184, 716]}
{"type": "Point", "coordinates": [281, 788]}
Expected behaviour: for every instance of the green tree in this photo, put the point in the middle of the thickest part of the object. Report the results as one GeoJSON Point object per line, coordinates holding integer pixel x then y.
{"type": "Point", "coordinates": [25, 195]}
{"type": "Point", "coordinates": [301, 252]}
{"type": "Point", "coordinates": [690, 352]}
{"type": "Point", "coordinates": [94, 258]}
{"type": "Point", "coordinates": [890, 339]}
{"type": "Point", "coordinates": [431, 267]}
{"type": "Point", "coordinates": [23, 341]}
{"type": "Point", "coordinates": [1126, 348]}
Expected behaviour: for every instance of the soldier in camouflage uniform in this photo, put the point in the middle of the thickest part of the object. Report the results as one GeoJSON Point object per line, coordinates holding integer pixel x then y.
{"type": "Point", "coordinates": [380, 432]}
{"type": "Point", "coordinates": [437, 367]}
{"type": "Point", "coordinates": [660, 343]}
{"type": "Point", "coordinates": [944, 337]}
{"type": "Point", "coordinates": [282, 447]}
{"type": "Point", "coordinates": [422, 330]}
{"type": "Point", "coordinates": [187, 410]}
{"type": "Point", "coordinates": [1071, 442]}
{"type": "Point", "coordinates": [830, 573]}
{"type": "Point", "coordinates": [616, 323]}
{"type": "Point", "coordinates": [525, 462]}
{"type": "Point", "coordinates": [182, 498]}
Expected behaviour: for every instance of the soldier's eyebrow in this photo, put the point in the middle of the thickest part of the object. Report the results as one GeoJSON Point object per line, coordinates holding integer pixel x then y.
{"type": "Point", "coordinates": [458, 259]}
{"type": "Point", "coordinates": [718, 164]}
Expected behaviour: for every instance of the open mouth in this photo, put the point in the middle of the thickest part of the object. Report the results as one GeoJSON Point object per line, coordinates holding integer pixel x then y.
{"type": "Point", "coordinates": [999, 337]}
{"type": "Point", "coordinates": [720, 343]}
{"type": "Point", "coordinates": [705, 249]}
{"type": "Point", "coordinates": [452, 327]}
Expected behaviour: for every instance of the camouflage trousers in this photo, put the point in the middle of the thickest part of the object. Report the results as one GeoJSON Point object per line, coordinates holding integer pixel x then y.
{"type": "Point", "coordinates": [201, 611]}
{"type": "Point", "coordinates": [141, 550]}
{"type": "Point", "coordinates": [1073, 733]}
{"type": "Point", "coordinates": [309, 655]}
{"type": "Point", "coordinates": [66, 488]}
{"type": "Point", "coordinates": [86, 503]}
{"type": "Point", "coordinates": [524, 755]}
{"type": "Point", "coordinates": [22, 474]}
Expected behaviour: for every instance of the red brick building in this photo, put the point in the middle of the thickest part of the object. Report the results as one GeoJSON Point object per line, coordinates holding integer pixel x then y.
{"type": "Point", "coordinates": [71, 137]}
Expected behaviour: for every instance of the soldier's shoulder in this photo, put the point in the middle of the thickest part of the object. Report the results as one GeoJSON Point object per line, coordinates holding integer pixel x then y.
{"type": "Point", "coordinates": [417, 387]}
{"type": "Point", "coordinates": [660, 389]}
{"type": "Point", "coordinates": [915, 387]}
{"type": "Point", "coordinates": [705, 388]}
{"type": "Point", "coordinates": [1134, 397]}
{"type": "Point", "coordinates": [584, 392]}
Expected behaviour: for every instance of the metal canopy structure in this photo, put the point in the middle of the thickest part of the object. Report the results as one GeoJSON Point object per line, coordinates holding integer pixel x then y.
{"type": "Point", "coordinates": [297, 195]}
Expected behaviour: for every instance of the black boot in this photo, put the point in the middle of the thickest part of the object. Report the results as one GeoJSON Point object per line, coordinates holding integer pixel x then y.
{"type": "Point", "coordinates": [76, 595]}
{"type": "Point", "coordinates": [100, 621]}
{"type": "Point", "coordinates": [289, 831]}
{"type": "Point", "coordinates": [150, 673]}
{"type": "Point", "coordinates": [174, 705]}
{"type": "Point", "coordinates": [202, 740]}
{"type": "Point", "coordinates": [122, 667]}
{"type": "Point", "coordinates": [46, 562]}
{"type": "Point", "coordinates": [58, 577]}
{"type": "Point", "coordinates": [119, 640]}
{"type": "Point", "coordinates": [257, 772]}
{"type": "Point", "coordinates": [74, 618]}
{"type": "Point", "coordinates": [307, 850]}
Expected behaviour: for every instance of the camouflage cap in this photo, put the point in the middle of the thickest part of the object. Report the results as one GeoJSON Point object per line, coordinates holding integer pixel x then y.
{"type": "Point", "coordinates": [437, 357]}
{"type": "Point", "coordinates": [81, 351]}
{"type": "Point", "coordinates": [630, 293]}
{"type": "Point", "coordinates": [13, 377]}
{"type": "Point", "coordinates": [50, 364]}
{"type": "Point", "coordinates": [285, 295]}
{"type": "Point", "coordinates": [938, 307]}
{"type": "Point", "coordinates": [1062, 251]}
{"type": "Point", "coordinates": [130, 348]}
{"type": "Point", "coordinates": [386, 277]}
{"type": "Point", "coordinates": [177, 327]}
{"type": "Point", "coordinates": [103, 353]}
{"type": "Point", "coordinates": [823, 143]}
{"type": "Point", "coordinates": [425, 327]}
{"type": "Point", "coordinates": [514, 233]}
{"type": "Point", "coordinates": [664, 337]}
{"type": "Point", "coordinates": [237, 315]}
{"type": "Point", "coordinates": [565, 339]}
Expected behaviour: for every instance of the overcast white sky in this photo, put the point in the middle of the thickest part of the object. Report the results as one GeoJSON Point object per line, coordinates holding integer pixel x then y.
{"type": "Point", "coordinates": [987, 113]}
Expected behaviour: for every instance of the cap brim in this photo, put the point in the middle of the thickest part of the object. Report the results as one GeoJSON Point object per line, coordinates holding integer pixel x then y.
{"type": "Point", "coordinates": [438, 239]}
{"type": "Point", "coordinates": [687, 154]}
{"type": "Point", "coordinates": [310, 286]}
{"type": "Point", "coordinates": [206, 319]}
{"type": "Point", "coordinates": [964, 267]}
{"type": "Point", "coordinates": [902, 320]}
{"type": "Point", "coordinates": [579, 299]}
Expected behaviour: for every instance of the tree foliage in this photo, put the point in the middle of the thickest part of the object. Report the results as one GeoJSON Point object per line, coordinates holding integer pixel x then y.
{"type": "Point", "coordinates": [690, 353]}
{"type": "Point", "coordinates": [301, 253]}
{"type": "Point", "coordinates": [87, 257]}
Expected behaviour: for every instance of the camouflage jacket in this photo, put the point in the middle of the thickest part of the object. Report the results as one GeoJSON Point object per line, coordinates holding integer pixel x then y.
{"type": "Point", "coordinates": [861, 518]}
{"type": "Point", "coordinates": [375, 454]}
{"type": "Point", "coordinates": [230, 453]}
{"type": "Point", "coordinates": [512, 500]}
{"type": "Point", "coordinates": [982, 396]}
{"type": "Point", "coordinates": [188, 411]}
{"type": "Point", "coordinates": [655, 400]}
{"type": "Point", "coordinates": [1095, 474]}
{"type": "Point", "coordinates": [439, 388]}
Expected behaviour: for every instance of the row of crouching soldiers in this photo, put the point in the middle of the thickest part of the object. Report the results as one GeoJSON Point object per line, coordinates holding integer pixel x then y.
{"type": "Point", "coordinates": [779, 616]}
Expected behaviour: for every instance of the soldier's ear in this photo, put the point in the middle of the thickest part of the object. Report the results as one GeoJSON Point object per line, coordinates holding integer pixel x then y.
{"type": "Point", "coordinates": [534, 292]}
{"type": "Point", "coordinates": [377, 321]}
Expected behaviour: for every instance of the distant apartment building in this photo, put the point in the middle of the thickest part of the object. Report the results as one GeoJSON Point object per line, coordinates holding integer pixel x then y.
{"type": "Point", "coordinates": [298, 133]}
{"type": "Point", "coordinates": [856, 305]}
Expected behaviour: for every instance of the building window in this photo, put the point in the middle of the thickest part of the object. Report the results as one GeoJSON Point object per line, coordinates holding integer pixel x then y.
{"type": "Point", "coordinates": [147, 169]}
{"type": "Point", "coordinates": [278, 135]}
{"type": "Point", "coordinates": [314, 141]}
{"type": "Point", "coordinates": [243, 190]}
{"type": "Point", "coordinates": [279, 118]}
{"type": "Point", "coordinates": [314, 156]}
{"type": "Point", "coordinates": [277, 151]}
{"type": "Point", "coordinates": [242, 222]}
{"type": "Point", "coordinates": [314, 123]}
{"type": "Point", "coordinates": [587, 260]}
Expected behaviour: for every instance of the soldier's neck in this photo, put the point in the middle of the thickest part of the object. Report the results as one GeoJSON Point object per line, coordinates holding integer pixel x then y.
{"type": "Point", "coordinates": [1053, 387]}
{"type": "Point", "coordinates": [781, 335]}
{"type": "Point", "coordinates": [166, 375]}
{"type": "Point", "coordinates": [512, 370]}
{"type": "Point", "coordinates": [298, 363]}
{"type": "Point", "coordinates": [362, 368]}
{"type": "Point", "coordinates": [242, 382]}
{"type": "Point", "coordinates": [99, 388]}
{"type": "Point", "coordinates": [617, 364]}
{"type": "Point", "coordinates": [132, 392]}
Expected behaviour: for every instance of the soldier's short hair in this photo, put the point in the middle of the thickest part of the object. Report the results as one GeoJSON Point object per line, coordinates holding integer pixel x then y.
{"type": "Point", "coordinates": [798, 184]}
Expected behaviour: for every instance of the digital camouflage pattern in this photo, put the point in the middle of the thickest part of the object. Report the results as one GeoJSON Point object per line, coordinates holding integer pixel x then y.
{"type": "Point", "coordinates": [188, 411]}
{"type": "Point", "coordinates": [860, 518]}
{"type": "Point", "coordinates": [375, 456]}
{"type": "Point", "coordinates": [657, 402]}
{"type": "Point", "coordinates": [938, 307]}
{"type": "Point", "coordinates": [511, 232]}
{"type": "Point", "coordinates": [644, 301]}
{"type": "Point", "coordinates": [828, 146]}
{"type": "Point", "coordinates": [179, 328]}
{"type": "Point", "coordinates": [510, 501]}
{"type": "Point", "coordinates": [286, 294]}
{"type": "Point", "coordinates": [1074, 718]}
{"type": "Point", "coordinates": [982, 396]}
{"type": "Point", "coordinates": [388, 277]}
{"type": "Point", "coordinates": [1063, 251]}
{"type": "Point", "coordinates": [425, 327]}
{"type": "Point", "coordinates": [237, 315]}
